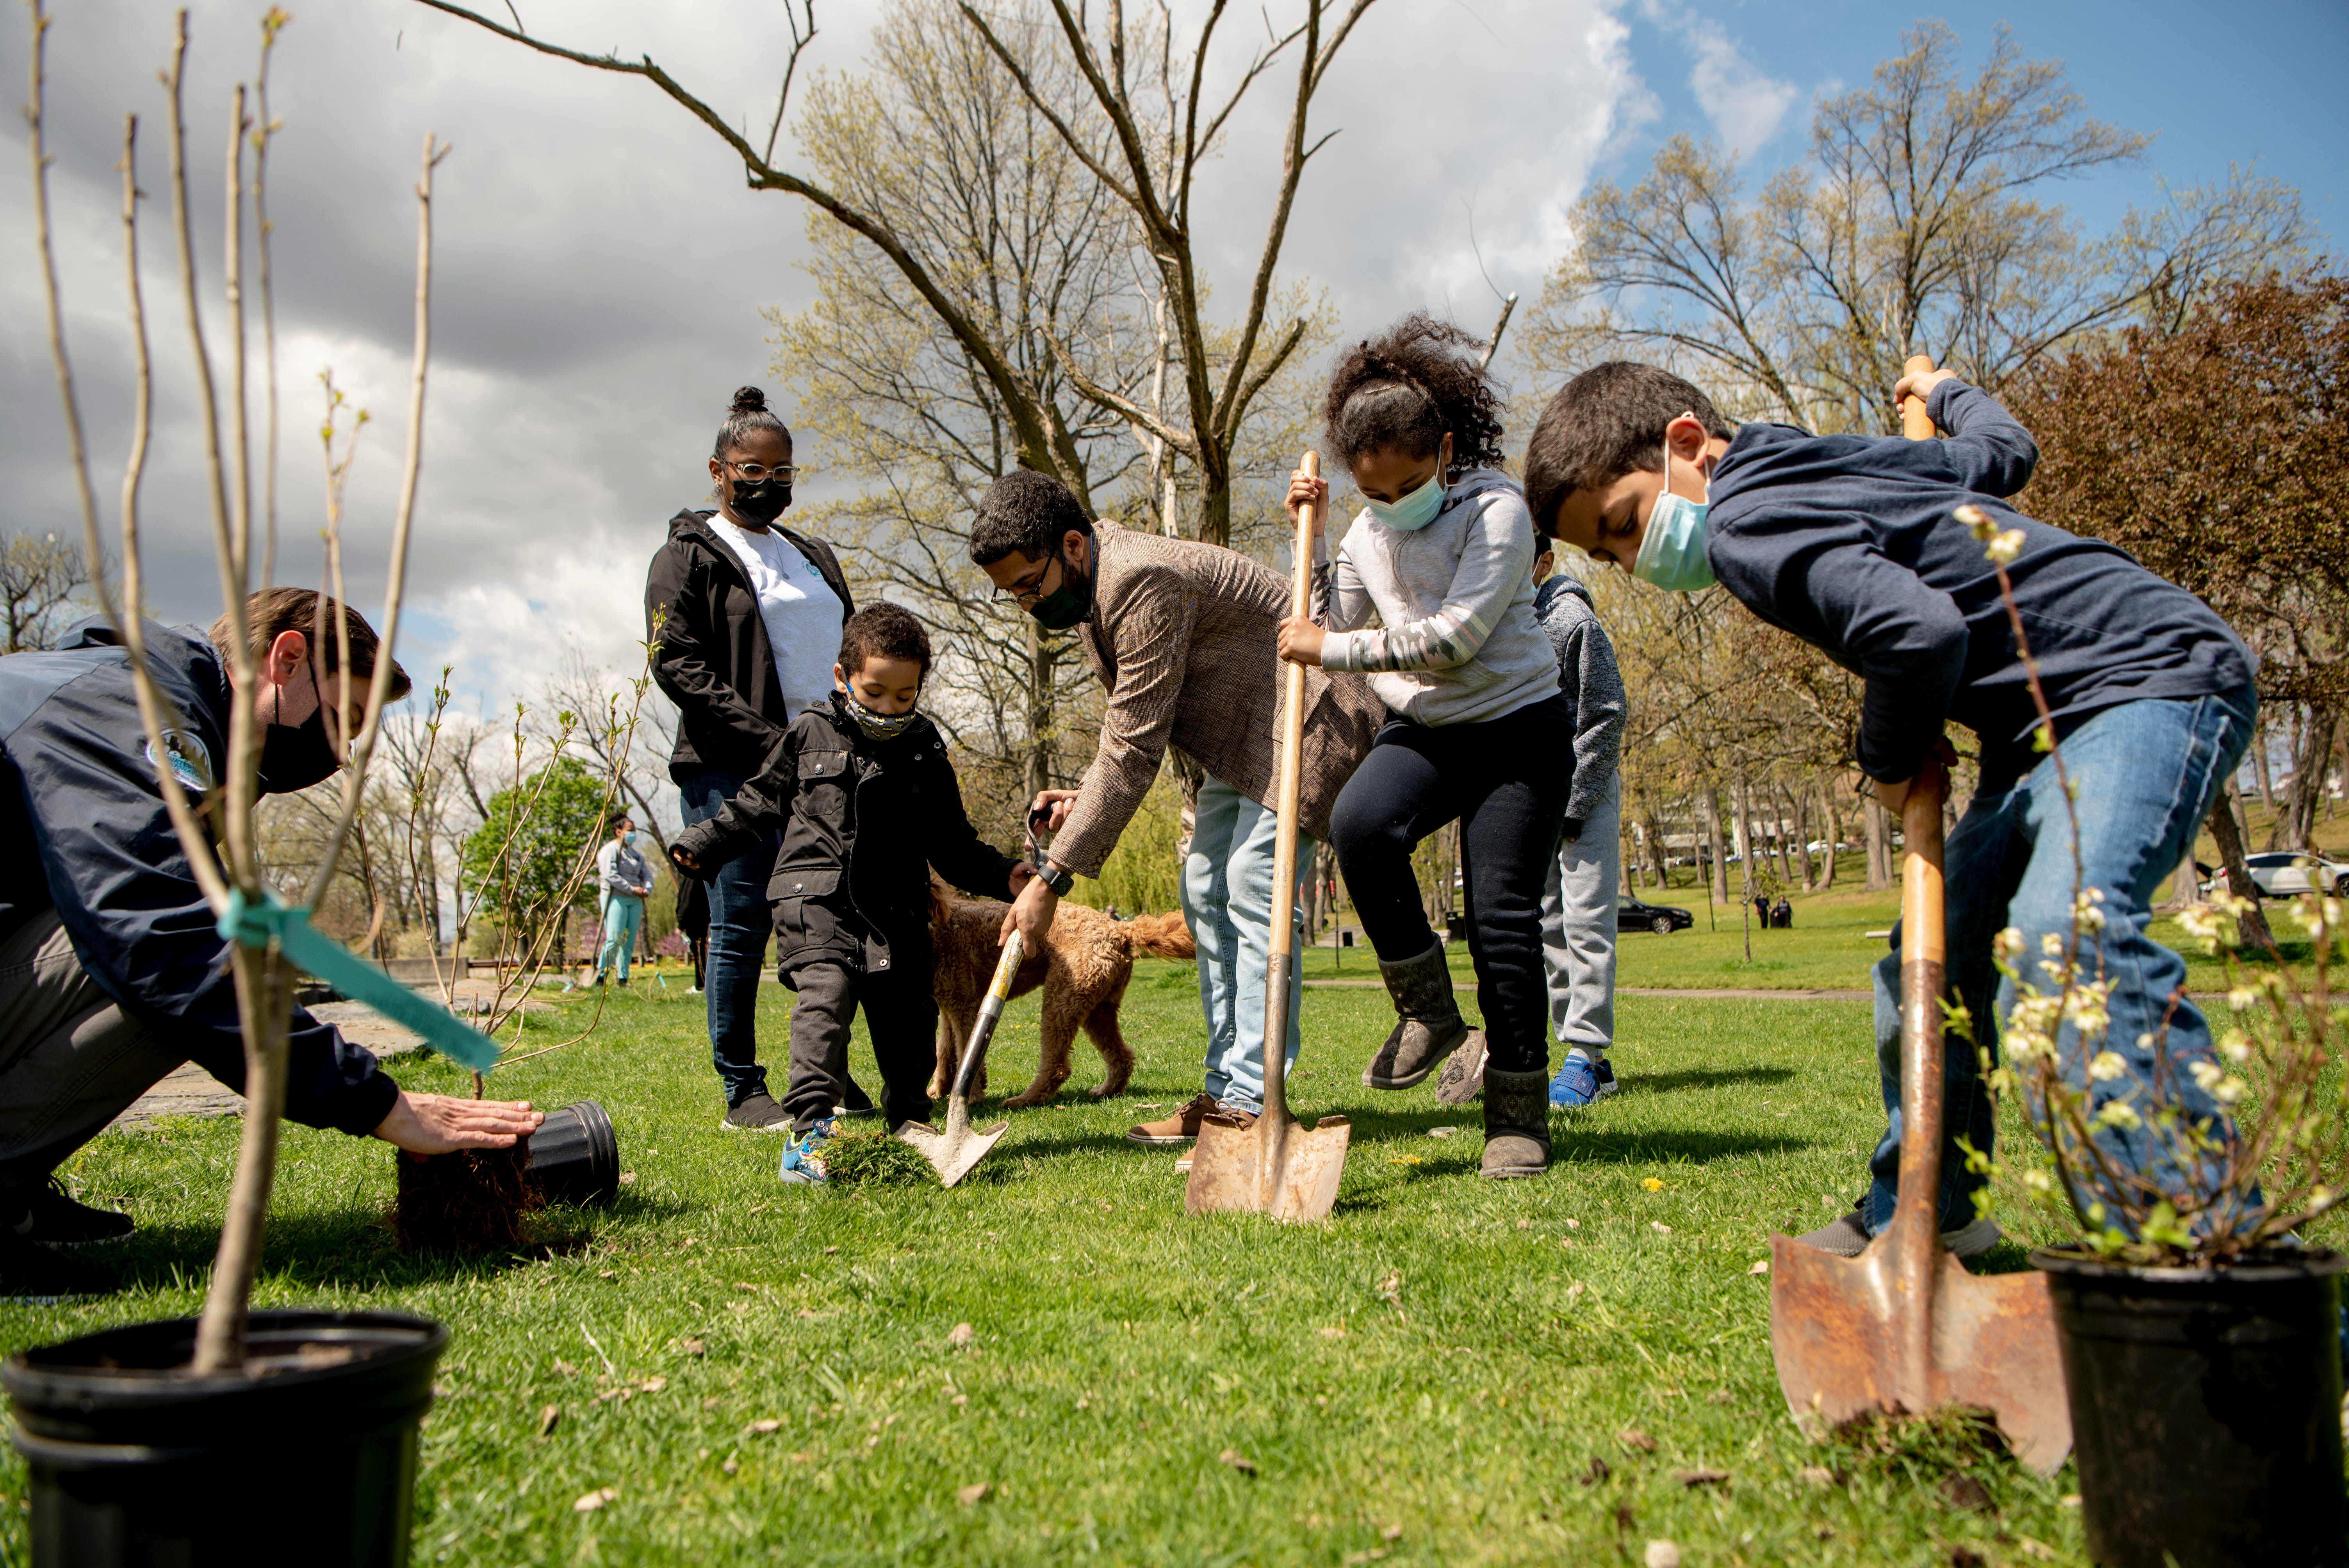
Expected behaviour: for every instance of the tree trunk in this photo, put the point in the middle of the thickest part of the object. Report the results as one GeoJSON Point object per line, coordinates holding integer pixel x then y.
{"type": "Point", "coordinates": [2227, 828]}
{"type": "Point", "coordinates": [2185, 887]}
{"type": "Point", "coordinates": [1834, 821]}
{"type": "Point", "coordinates": [1036, 765]}
{"type": "Point", "coordinates": [1787, 851]}
{"type": "Point", "coordinates": [2296, 817]}
{"type": "Point", "coordinates": [1879, 846]}
{"type": "Point", "coordinates": [1719, 871]}
{"type": "Point", "coordinates": [2260, 766]}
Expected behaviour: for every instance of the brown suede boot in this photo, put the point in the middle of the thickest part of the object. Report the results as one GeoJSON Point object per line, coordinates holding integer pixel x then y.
{"type": "Point", "coordinates": [1516, 1124]}
{"type": "Point", "coordinates": [1428, 1027]}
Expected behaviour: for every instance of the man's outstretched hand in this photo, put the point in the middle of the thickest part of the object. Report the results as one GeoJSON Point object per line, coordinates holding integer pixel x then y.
{"type": "Point", "coordinates": [1938, 762]}
{"type": "Point", "coordinates": [441, 1123]}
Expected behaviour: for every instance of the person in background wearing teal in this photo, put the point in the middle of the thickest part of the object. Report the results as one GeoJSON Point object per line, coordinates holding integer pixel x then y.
{"type": "Point", "coordinates": [624, 877]}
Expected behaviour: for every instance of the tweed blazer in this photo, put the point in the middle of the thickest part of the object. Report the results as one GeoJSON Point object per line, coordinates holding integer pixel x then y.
{"type": "Point", "coordinates": [1185, 637]}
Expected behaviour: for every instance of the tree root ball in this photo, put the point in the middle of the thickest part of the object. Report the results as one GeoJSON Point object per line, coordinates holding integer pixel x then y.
{"type": "Point", "coordinates": [473, 1201]}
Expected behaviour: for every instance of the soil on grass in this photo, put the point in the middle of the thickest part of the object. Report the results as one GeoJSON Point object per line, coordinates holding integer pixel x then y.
{"type": "Point", "coordinates": [473, 1201]}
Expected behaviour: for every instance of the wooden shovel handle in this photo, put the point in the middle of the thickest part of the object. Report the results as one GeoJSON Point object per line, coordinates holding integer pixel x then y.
{"type": "Point", "coordinates": [1281, 950]}
{"type": "Point", "coordinates": [1915, 423]}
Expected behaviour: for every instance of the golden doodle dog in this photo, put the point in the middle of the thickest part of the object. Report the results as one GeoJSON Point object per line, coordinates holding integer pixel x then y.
{"type": "Point", "coordinates": [1086, 961]}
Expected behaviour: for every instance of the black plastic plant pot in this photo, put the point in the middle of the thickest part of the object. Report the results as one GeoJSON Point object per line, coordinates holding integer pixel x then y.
{"type": "Point", "coordinates": [2205, 1409]}
{"type": "Point", "coordinates": [308, 1456]}
{"type": "Point", "coordinates": [575, 1155]}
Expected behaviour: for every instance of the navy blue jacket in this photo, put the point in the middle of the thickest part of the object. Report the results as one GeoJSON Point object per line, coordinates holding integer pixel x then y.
{"type": "Point", "coordinates": [1848, 542]}
{"type": "Point", "coordinates": [83, 830]}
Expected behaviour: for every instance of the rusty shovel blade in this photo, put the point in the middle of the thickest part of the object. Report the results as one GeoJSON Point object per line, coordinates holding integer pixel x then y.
{"type": "Point", "coordinates": [1278, 1167]}
{"type": "Point", "coordinates": [953, 1152]}
{"type": "Point", "coordinates": [1839, 1333]}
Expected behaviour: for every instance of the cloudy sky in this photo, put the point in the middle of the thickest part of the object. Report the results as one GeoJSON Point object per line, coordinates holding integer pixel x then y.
{"type": "Point", "coordinates": [601, 268]}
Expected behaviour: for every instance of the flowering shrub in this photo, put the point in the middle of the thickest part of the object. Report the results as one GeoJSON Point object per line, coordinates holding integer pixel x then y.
{"type": "Point", "coordinates": [673, 945]}
{"type": "Point", "coordinates": [2194, 1185]}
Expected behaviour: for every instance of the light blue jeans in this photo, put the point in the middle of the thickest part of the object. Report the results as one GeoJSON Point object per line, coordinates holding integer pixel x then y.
{"type": "Point", "coordinates": [624, 916]}
{"type": "Point", "coordinates": [1577, 927]}
{"type": "Point", "coordinates": [1227, 899]}
{"type": "Point", "coordinates": [2146, 773]}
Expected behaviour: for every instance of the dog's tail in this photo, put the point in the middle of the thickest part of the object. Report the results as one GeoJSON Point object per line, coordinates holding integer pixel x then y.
{"type": "Point", "coordinates": [1161, 936]}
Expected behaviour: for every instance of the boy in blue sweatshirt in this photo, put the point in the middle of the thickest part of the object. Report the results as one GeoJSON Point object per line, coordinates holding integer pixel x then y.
{"type": "Point", "coordinates": [1848, 542]}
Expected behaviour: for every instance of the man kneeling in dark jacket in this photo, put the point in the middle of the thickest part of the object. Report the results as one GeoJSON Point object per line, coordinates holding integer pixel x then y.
{"type": "Point", "coordinates": [867, 802]}
{"type": "Point", "coordinates": [111, 966]}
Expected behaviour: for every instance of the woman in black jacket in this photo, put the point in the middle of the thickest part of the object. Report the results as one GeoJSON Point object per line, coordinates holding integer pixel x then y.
{"type": "Point", "coordinates": [747, 616]}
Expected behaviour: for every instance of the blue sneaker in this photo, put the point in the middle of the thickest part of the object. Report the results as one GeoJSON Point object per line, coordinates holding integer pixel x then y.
{"type": "Point", "coordinates": [1582, 1080]}
{"type": "Point", "coordinates": [804, 1156]}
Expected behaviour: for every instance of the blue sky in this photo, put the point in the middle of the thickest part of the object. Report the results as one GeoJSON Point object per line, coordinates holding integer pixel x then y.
{"type": "Point", "coordinates": [2251, 80]}
{"type": "Point", "coordinates": [602, 270]}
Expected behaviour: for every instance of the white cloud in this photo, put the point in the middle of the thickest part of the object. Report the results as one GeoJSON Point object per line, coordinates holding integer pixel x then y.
{"type": "Point", "coordinates": [1746, 105]}
{"type": "Point", "coordinates": [600, 267]}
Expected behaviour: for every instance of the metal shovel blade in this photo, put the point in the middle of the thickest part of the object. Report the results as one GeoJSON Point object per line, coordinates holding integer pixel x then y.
{"type": "Point", "coordinates": [952, 1152]}
{"type": "Point", "coordinates": [1278, 1167]}
{"type": "Point", "coordinates": [1838, 1332]}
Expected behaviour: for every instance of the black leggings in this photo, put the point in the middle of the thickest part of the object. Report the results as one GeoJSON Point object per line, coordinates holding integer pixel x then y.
{"type": "Point", "coordinates": [1506, 780]}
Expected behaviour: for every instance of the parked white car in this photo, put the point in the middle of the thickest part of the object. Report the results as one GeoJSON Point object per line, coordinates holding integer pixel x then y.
{"type": "Point", "coordinates": [2285, 874]}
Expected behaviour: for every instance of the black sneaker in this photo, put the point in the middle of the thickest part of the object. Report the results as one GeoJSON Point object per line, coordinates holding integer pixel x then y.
{"type": "Point", "coordinates": [34, 1275]}
{"type": "Point", "coordinates": [756, 1112]}
{"type": "Point", "coordinates": [52, 1216]}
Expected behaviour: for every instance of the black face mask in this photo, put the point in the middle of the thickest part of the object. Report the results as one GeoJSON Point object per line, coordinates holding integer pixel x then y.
{"type": "Point", "coordinates": [761, 502]}
{"type": "Point", "coordinates": [1069, 603]}
{"type": "Point", "coordinates": [296, 756]}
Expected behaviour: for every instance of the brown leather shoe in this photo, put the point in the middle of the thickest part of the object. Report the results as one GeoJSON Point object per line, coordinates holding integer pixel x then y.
{"type": "Point", "coordinates": [1180, 1127]}
{"type": "Point", "coordinates": [1223, 1116]}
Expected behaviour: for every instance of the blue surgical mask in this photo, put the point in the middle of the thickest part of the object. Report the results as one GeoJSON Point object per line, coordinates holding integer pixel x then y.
{"type": "Point", "coordinates": [1672, 554]}
{"type": "Point", "coordinates": [1413, 512]}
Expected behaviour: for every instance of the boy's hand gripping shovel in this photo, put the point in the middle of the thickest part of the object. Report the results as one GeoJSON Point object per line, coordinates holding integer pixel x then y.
{"type": "Point", "coordinates": [1278, 1167]}
{"type": "Point", "coordinates": [953, 1152]}
{"type": "Point", "coordinates": [1903, 1327]}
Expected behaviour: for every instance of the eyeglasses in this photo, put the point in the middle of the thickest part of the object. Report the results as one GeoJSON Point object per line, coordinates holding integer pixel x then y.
{"type": "Point", "coordinates": [1030, 586]}
{"type": "Point", "coordinates": [755, 472]}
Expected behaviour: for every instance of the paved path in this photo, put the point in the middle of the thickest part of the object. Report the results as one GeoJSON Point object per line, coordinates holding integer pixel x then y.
{"type": "Point", "coordinates": [190, 1090]}
{"type": "Point", "coordinates": [1717, 995]}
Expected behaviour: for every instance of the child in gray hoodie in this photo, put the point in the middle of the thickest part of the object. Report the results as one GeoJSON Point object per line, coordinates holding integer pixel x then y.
{"type": "Point", "coordinates": [1578, 904]}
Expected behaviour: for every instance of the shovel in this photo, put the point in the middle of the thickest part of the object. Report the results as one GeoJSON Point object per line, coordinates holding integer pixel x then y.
{"type": "Point", "coordinates": [953, 1152]}
{"type": "Point", "coordinates": [1903, 1327]}
{"type": "Point", "coordinates": [1278, 1167]}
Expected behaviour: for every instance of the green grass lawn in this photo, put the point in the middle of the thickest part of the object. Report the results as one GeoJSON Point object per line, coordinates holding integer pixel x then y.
{"type": "Point", "coordinates": [1448, 1371]}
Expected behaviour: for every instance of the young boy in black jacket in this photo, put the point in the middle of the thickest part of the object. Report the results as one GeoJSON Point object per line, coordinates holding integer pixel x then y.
{"type": "Point", "coordinates": [1848, 542]}
{"type": "Point", "coordinates": [867, 803]}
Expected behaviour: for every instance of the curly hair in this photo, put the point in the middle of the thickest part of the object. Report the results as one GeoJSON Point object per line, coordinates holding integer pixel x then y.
{"type": "Point", "coordinates": [1025, 514]}
{"type": "Point", "coordinates": [883, 631]}
{"type": "Point", "coordinates": [748, 413]}
{"type": "Point", "coordinates": [1408, 389]}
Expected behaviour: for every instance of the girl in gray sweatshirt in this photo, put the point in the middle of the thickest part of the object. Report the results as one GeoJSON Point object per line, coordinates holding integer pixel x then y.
{"type": "Point", "coordinates": [1442, 555]}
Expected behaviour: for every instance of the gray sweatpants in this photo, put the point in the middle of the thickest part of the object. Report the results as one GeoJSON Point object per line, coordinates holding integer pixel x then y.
{"type": "Point", "coordinates": [1579, 928]}
{"type": "Point", "coordinates": [70, 1061]}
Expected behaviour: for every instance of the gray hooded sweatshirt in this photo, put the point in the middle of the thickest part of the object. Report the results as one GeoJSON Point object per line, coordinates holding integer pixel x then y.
{"type": "Point", "coordinates": [1587, 675]}
{"type": "Point", "coordinates": [1458, 643]}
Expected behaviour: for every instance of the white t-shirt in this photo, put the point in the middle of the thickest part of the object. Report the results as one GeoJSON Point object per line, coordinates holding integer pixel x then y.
{"type": "Point", "coordinates": [801, 612]}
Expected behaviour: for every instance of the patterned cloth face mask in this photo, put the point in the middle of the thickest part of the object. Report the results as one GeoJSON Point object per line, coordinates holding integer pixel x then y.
{"type": "Point", "coordinates": [878, 726]}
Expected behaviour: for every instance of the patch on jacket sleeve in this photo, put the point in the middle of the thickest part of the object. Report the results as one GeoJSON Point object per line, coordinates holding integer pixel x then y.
{"type": "Point", "coordinates": [192, 764]}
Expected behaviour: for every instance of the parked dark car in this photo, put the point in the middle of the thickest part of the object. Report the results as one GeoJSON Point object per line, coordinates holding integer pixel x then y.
{"type": "Point", "coordinates": [1630, 915]}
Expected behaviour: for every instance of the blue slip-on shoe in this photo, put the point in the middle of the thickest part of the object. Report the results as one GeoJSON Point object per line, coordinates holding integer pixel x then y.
{"type": "Point", "coordinates": [803, 1161]}
{"type": "Point", "coordinates": [1577, 1082]}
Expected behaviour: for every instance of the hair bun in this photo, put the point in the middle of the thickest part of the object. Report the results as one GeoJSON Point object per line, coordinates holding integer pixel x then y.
{"type": "Point", "coordinates": [749, 400]}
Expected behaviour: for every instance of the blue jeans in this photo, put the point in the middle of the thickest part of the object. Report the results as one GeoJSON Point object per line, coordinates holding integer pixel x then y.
{"type": "Point", "coordinates": [624, 916]}
{"type": "Point", "coordinates": [739, 920]}
{"type": "Point", "coordinates": [2147, 774]}
{"type": "Point", "coordinates": [1227, 899]}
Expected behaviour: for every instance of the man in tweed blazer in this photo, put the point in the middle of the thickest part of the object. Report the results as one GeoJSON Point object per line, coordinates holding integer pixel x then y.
{"type": "Point", "coordinates": [1185, 637]}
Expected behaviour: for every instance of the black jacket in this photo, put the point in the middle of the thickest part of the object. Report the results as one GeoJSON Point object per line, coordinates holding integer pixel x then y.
{"type": "Point", "coordinates": [83, 830]}
{"type": "Point", "coordinates": [1848, 542]}
{"type": "Point", "coordinates": [713, 660]}
{"type": "Point", "coordinates": [838, 897]}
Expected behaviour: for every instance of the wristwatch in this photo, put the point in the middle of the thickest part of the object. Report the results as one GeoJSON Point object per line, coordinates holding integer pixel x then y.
{"type": "Point", "coordinates": [1054, 877]}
